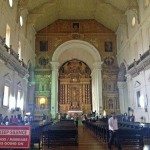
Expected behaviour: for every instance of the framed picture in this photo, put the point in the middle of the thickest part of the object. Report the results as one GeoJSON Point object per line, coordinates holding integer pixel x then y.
{"type": "Point", "coordinates": [108, 47]}
{"type": "Point", "coordinates": [75, 26]}
{"type": "Point", "coordinates": [43, 46]}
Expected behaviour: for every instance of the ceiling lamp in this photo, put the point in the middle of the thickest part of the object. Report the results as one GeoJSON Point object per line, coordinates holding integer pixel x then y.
{"type": "Point", "coordinates": [146, 3]}
{"type": "Point", "coordinates": [21, 21]}
{"type": "Point", "coordinates": [10, 3]}
{"type": "Point", "coordinates": [133, 21]}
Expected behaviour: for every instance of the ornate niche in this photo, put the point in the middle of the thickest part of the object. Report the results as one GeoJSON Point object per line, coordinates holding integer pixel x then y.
{"type": "Point", "coordinates": [74, 87]}
{"type": "Point", "coordinates": [110, 89]}
{"type": "Point", "coordinates": [42, 92]}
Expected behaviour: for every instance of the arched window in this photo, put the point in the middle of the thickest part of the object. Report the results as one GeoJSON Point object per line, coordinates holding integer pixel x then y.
{"type": "Point", "coordinates": [133, 21]}
{"type": "Point", "coordinates": [6, 95]}
{"type": "Point", "coordinates": [21, 21]}
{"type": "Point", "coordinates": [19, 50]}
{"type": "Point", "coordinates": [10, 3]}
{"type": "Point", "coordinates": [146, 3]}
{"type": "Point", "coordinates": [20, 100]}
{"type": "Point", "coordinates": [7, 35]}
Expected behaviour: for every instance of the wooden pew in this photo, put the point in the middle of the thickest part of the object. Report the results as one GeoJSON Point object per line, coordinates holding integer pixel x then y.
{"type": "Point", "coordinates": [62, 133]}
{"type": "Point", "coordinates": [131, 137]}
{"type": "Point", "coordinates": [36, 134]}
{"type": "Point", "coordinates": [129, 134]}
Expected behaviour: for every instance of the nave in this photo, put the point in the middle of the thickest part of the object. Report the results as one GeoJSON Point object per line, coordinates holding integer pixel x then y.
{"type": "Point", "coordinates": [88, 141]}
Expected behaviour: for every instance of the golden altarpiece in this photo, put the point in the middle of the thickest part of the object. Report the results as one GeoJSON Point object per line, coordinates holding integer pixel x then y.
{"type": "Point", "coordinates": [74, 87]}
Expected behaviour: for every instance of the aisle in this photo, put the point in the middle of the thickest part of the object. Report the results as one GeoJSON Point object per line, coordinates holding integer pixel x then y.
{"type": "Point", "coordinates": [86, 142]}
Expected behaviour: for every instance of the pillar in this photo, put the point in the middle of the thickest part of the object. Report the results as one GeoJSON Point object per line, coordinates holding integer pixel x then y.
{"type": "Point", "coordinates": [123, 100]}
{"type": "Point", "coordinates": [130, 97]}
{"type": "Point", "coordinates": [97, 88]}
{"type": "Point", "coordinates": [54, 89]}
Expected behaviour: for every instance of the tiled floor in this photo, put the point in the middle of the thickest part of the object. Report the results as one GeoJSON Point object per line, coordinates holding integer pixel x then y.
{"type": "Point", "coordinates": [87, 141]}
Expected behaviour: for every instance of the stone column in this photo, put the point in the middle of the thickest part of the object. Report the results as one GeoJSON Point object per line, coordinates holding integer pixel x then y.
{"type": "Point", "coordinates": [54, 89]}
{"type": "Point", "coordinates": [28, 96]}
{"type": "Point", "coordinates": [97, 88]}
{"type": "Point", "coordinates": [123, 100]}
{"type": "Point", "coordinates": [130, 100]}
{"type": "Point", "coordinates": [31, 103]}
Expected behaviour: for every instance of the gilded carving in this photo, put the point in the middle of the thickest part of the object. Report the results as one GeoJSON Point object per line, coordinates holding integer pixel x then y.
{"type": "Point", "coordinates": [76, 36]}
{"type": "Point", "coordinates": [110, 89]}
{"type": "Point", "coordinates": [58, 41]}
{"type": "Point", "coordinates": [109, 60]}
{"type": "Point", "coordinates": [75, 87]}
{"type": "Point", "coordinates": [43, 62]}
{"type": "Point", "coordinates": [74, 76]}
{"type": "Point", "coordinates": [94, 42]}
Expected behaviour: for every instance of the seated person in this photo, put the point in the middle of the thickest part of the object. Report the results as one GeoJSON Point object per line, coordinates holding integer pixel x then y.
{"type": "Point", "coordinates": [132, 118]}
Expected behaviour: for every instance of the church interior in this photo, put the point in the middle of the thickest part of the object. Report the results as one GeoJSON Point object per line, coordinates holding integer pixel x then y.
{"type": "Point", "coordinates": [76, 61]}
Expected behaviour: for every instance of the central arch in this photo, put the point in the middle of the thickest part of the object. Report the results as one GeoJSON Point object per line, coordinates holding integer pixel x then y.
{"type": "Point", "coordinates": [84, 51]}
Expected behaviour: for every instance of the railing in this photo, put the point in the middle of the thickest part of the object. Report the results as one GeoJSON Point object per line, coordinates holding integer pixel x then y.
{"type": "Point", "coordinates": [9, 56]}
{"type": "Point", "coordinates": [141, 59]}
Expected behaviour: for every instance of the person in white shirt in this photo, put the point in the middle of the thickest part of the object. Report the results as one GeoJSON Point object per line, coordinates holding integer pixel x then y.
{"type": "Point", "coordinates": [113, 132]}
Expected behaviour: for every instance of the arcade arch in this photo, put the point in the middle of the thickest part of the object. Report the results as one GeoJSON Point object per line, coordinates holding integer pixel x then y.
{"type": "Point", "coordinates": [83, 51]}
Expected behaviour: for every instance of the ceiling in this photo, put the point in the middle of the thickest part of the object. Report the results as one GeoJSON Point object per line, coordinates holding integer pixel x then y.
{"type": "Point", "coordinates": [108, 12]}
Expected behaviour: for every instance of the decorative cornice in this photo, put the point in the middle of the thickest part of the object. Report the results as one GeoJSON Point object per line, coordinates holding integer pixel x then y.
{"type": "Point", "coordinates": [42, 93]}
{"type": "Point", "coordinates": [11, 59]}
{"type": "Point", "coordinates": [141, 64]}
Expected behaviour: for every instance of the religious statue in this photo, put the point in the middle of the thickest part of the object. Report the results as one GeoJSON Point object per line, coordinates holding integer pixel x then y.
{"type": "Point", "coordinates": [74, 105]}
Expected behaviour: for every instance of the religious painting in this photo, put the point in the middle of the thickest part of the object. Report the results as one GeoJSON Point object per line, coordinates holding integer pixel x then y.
{"type": "Point", "coordinates": [75, 27]}
{"type": "Point", "coordinates": [110, 104]}
{"type": "Point", "coordinates": [75, 87]}
{"type": "Point", "coordinates": [109, 61]}
{"type": "Point", "coordinates": [43, 46]}
{"type": "Point", "coordinates": [43, 61]}
{"type": "Point", "coordinates": [75, 36]}
{"type": "Point", "coordinates": [108, 46]}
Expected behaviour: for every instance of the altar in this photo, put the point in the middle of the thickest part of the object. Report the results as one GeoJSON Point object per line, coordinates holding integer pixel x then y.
{"type": "Point", "coordinates": [75, 112]}
{"type": "Point", "coordinates": [74, 92]}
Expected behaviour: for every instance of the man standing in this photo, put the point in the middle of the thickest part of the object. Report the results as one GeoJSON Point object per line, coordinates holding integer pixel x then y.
{"type": "Point", "coordinates": [113, 132]}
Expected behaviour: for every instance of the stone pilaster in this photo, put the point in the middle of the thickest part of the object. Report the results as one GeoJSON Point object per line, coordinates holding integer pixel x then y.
{"type": "Point", "coordinates": [97, 88]}
{"type": "Point", "coordinates": [54, 89]}
{"type": "Point", "coordinates": [123, 100]}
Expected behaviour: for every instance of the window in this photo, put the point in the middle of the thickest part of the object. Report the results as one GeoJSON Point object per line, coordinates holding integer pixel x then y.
{"type": "Point", "coordinates": [146, 3]}
{"type": "Point", "coordinates": [138, 94]}
{"type": "Point", "coordinates": [75, 26]}
{"type": "Point", "coordinates": [19, 50]}
{"type": "Point", "coordinates": [149, 36]}
{"type": "Point", "coordinates": [135, 47]}
{"type": "Point", "coordinates": [133, 21]}
{"type": "Point", "coordinates": [6, 96]}
{"type": "Point", "coordinates": [10, 3]}
{"type": "Point", "coordinates": [19, 100]}
{"type": "Point", "coordinates": [7, 35]}
{"type": "Point", "coordinates": [12, 102]}
{"type": "Point", "coordinates": [140, 100]}
{"type": "Point", "coordinates": [21, 21]}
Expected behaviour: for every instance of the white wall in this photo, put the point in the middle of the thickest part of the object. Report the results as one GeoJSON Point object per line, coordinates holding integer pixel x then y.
{"type": "Point", "coordinates": [131, 42]}
{"type": "Point", "coordinates": [26, 35]}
